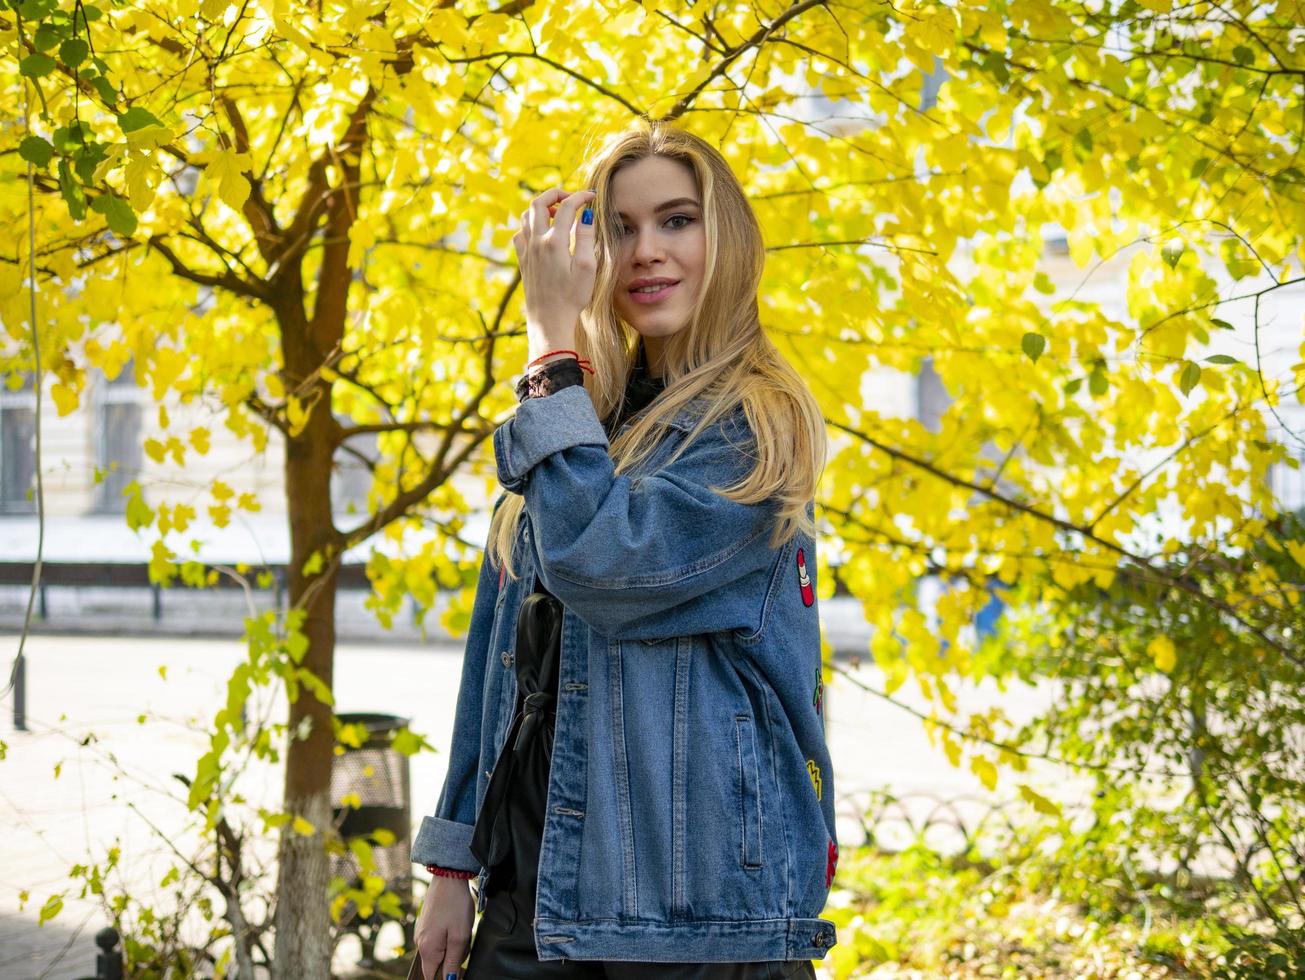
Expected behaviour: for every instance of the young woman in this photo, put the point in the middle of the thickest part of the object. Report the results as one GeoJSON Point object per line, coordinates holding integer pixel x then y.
{"type": "Point", "coordinates": [639, 778]}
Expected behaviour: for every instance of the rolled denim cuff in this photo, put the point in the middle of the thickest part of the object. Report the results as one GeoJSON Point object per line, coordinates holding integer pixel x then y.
{"type": "Point", "coordinates": [541, 427]}
{"type": "Point", "coordinates": [446, 843]}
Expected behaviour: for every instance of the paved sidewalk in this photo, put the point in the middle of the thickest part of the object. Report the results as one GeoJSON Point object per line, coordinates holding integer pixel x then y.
{"type": "Point", "coordinates": [90, 689]}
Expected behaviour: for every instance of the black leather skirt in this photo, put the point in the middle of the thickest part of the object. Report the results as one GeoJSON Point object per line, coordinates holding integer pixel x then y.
{"type": "Point", "coordinates": [503, 947]}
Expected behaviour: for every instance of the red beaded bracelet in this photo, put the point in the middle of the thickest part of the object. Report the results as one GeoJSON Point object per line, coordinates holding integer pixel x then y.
{"type": "Point", "coordinates": [439, 872]}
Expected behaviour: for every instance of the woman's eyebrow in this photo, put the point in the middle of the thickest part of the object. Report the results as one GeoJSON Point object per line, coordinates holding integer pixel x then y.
{"type": "Point", "coordinates": [674, 203]}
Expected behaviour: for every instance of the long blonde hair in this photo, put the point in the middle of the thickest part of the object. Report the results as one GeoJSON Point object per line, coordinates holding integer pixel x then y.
{"type": "Point", "coordinates": [722, 356]}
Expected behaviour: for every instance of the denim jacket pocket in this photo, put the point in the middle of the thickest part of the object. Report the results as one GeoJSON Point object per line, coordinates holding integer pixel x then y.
{"type": "Point", "coordinates": [749, 785]}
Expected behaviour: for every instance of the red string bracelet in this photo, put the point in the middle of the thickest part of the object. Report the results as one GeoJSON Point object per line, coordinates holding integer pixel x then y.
{"type": "Point", "coordinates": [582, 361]}
{"type": "Point", "coordinates": [439, 872]}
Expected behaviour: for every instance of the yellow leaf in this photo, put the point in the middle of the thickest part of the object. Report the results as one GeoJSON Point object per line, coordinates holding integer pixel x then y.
{"type": "Point", "coordinates": [313, 565]}
{"type": "Point", "coordinates": [155, 450]}
{"type": "Point", "coordinates": [985, 770]}
{"type": "Point", "coordinates": [65, 399]}
{"type": "Point", "coordinates": [1163, 653]}
{"type": "Point", "coordinates": [302, 826]}
{"type": "Point", "coordinates": [226, 169]}
{"type": "Point", "coordinates": [1040, 803]}
{"type": "Point", "coordinates": [199, 438]}
{"type": "Point", "coordinates": [1297, 551]}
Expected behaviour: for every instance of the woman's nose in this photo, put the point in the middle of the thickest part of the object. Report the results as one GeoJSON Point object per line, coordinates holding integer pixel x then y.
{"type": "Point", "coordinates": [647, 248]}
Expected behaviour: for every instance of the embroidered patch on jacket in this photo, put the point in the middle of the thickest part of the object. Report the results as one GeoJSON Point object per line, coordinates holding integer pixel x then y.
{"type": "Point", "coordinates": [501, 572]}
{"type": "Point", "coordinates": [831, 863]}
{"type": "Point", "coordinates": [818, 698]}
{"type": "Point", "coordinates": [813, 771]}
{"type": "Point", "coordinates": [804, 580]}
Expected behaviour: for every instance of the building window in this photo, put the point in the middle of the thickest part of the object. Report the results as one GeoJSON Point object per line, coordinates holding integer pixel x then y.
{"type": "Point", "coordinates": [18, 453]}
{"type": "Point", "coordinates": [119, 455]}
{"type": "Point", "coordinates": [931, 397]}
{"type": "Point", "coordinates": [352, 479]}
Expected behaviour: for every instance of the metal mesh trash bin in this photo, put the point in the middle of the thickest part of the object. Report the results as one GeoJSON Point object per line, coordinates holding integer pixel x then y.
{"type": "Point", "coordinates": [378, 775]}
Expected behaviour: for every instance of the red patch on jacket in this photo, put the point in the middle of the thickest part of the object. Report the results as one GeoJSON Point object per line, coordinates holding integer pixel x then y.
{"type": "Point", "coordinates": [804, 580]}
{"type": "Point", "coordinates": [831, 863]}
{"type": "Point", "coordinates": [501, 572]}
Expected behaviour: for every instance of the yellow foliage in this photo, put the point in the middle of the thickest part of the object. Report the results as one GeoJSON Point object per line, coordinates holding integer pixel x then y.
{"type": "Point", "coordinates": [918, 232]}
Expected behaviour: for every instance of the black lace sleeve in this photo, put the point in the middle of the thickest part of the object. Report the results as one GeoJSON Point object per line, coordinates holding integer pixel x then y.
{"type": "Point", "coordinates": [551, 377]}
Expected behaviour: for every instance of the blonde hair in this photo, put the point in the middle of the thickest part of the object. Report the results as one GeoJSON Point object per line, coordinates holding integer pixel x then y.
{"type": "Point", "coordinates": [722, 356]}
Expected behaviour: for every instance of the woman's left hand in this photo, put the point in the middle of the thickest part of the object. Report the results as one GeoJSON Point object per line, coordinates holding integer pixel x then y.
{"type": "Point", "coordinates": [558, 284]}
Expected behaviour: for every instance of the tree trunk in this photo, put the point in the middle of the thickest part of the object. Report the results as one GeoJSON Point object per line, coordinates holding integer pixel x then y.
{"type": "Point", "coordinates": [303, 932]}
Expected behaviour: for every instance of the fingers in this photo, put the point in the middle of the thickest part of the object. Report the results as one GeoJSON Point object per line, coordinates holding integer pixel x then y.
{"type": "Point", "coordinates": [566, 212]}
{"type": "Point", "coordinates": [558, 204]}
{"type": "Point", "coordinates": [536, 216]}
{"type": "Point", "coordinates": [452, 965]}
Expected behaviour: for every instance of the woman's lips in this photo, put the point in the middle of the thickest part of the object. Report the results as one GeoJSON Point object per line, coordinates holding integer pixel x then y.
{"type": "Point", "coordinates": [657, 297]}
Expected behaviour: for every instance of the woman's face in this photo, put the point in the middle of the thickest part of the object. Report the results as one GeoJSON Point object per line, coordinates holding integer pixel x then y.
{"type": "Point", "coordinates": [662, 238]}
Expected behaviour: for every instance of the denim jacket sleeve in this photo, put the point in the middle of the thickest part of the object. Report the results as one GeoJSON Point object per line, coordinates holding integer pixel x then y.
{"type": "Point", "coordinates": [445, 838]}
{"type": "Point", "coordinates": [660, 555]}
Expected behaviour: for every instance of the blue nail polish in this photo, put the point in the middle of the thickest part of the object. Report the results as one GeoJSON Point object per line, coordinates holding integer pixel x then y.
{"type": "Point", "coordinates": [587, 216]}
{"type": "Point", "coordinates": [451, 976]}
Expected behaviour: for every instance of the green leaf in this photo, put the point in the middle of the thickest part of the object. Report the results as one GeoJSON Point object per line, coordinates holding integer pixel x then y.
{"type": "Point", "coordinates": [409, 742]}
{"type": "Point", "coordinates": [137, 117]}
{"type": "Point", "coordinates": [52, 907]}
{"type": "Point", "coordinates": [1222, 359]}
{"type": "Point", "coordinates": [117, 212]}
{"type": "Point", "coordinates": [36, 150]}
{"type": "Point", "coordinates": [1191, 376]}
{"type": "Point", "coordinates": [72, 192]}
{"type": "Point", "coordinates": [1243, 55]}
{"type": "Point", "coordinates": [1098, 384]}
{"type": "Point", "coordinates": [87, 159]}
{"type": "Point", "coordinates": [105, 88]}
{"type": "Point", "coordinates": [73, 51]}
{"type": "Point", "coordinates": [1172, 252]}
{"type": "Point", "coordinates": [1198, 168]}
{"type": "Point", "coordinates": [36, 66]}
{"type": "Point", "coordinates": [1072, 387]}
{"type": "Point", "coordinates": [1222, 324]}
{"type": "Point", "coordinates": [1033, 344]}
{"type": "Point", "coordinates": [35, 9]}
{"type": "Point", "coordinates": [71, 138]}
{"type": "Point", "coordinates": [47, 36]}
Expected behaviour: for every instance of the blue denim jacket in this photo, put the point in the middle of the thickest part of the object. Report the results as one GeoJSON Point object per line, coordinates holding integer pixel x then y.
{"type": "Point", "coordinates": [690, 811]}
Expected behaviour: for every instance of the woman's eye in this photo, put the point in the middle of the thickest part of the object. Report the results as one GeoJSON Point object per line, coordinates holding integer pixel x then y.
{"type": "Point", "coordinates": [626, 229]}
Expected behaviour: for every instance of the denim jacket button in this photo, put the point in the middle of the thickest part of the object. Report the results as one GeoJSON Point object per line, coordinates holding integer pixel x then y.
{"type": "Point", "coordinates": [506, 658]}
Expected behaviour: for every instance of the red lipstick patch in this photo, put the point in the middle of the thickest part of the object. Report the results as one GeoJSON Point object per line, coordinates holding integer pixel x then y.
{"type": "Point", "coordinates": [804, 580]}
